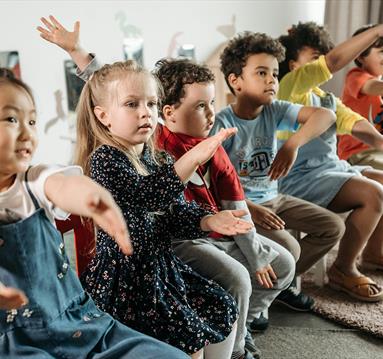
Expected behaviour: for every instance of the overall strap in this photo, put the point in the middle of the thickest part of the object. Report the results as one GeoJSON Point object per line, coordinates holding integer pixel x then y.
{"type": "Point", "coordinates": [33, 198]}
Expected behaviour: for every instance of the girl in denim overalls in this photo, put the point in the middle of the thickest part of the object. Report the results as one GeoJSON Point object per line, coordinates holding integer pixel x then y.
{"type": "Point", "coordinates": [49, 315]}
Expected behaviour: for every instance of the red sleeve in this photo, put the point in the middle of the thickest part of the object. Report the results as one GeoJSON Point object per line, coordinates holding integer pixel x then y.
{"type": "Point", "coordinates": [226, 181]}
{"type": "Point", "coordinates": [355, 80]}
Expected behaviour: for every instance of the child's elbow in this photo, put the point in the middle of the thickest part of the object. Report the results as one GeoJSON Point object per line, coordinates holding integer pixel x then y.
{"type": "Point", "coordinates": [328, 114]}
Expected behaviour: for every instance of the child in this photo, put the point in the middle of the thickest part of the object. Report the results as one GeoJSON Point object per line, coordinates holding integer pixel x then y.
{"type": "Point", "coordinates": [188, 112]}
{"type": "Point", "coordinates": [172, 302]}
{"type": "Point", "coordinates": [362, 93]}
{"type": "Point", "coordinates": [206, 255]}
{"type": "Point", "coordinates": [53, 317]}
{"type": "Point", "coordinates": [250, 66]}
{"type": "Point", "coordinates": [318, 175]}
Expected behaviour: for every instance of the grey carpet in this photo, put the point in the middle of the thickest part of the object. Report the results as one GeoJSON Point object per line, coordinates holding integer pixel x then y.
{"type": "Point", "coordinates": [307, 343]}
{"type": "Point", "coordinates": [343, 309]}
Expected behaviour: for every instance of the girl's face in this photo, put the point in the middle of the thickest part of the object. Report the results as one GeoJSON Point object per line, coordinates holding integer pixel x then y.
{"type": "Point", "coordinates": [18, 135]}
{"type": "Point", "coordinates": [373, 62]}
{"type": "Point", "coordinates": [131, 115]}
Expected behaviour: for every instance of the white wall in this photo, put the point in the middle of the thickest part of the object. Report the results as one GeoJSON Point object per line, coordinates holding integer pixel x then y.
{"type": "Point", "coordinates": [42, 63]}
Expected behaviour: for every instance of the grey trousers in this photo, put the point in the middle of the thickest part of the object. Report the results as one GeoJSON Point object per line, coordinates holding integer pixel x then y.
{"type": "Point", "coordinates": [222, 261]}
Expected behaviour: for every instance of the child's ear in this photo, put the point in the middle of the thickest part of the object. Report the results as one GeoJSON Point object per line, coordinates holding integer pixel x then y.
{"type": "Point", "coordinates": [168, 112]}
{"type": "Point", "coordinates": [233, 80]}
{"type": "Point", "coordinates": [292, 65]}
{"type": "Point", "coordinates": [360, 59]}
{"type": "Point", "coordinates": [101, 115]}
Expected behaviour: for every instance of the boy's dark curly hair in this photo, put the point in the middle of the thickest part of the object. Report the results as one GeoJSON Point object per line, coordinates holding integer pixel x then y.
{"type": "Point", "coordinates": [242, 46]}
{"type": "Point", "coordinates": [174, 74]}
{"type": "Point", "coordinates": [308, 34]}
{"type": "Point", "coordinates": [377, 43]}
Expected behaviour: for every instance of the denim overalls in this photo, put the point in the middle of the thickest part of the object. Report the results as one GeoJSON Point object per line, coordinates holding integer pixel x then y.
{"type": "Point", "coordinates": [60, 320]}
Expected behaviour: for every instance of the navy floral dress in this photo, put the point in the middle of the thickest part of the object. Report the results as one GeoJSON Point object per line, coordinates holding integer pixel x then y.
{"type": "Point", "coordinates": [153, 291]}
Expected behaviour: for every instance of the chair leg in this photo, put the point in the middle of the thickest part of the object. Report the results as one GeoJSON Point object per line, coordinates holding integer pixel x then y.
{"type": "Point", "coordinates": [320, 272]}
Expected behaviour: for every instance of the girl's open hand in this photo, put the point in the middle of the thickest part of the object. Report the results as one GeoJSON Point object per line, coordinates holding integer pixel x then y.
{"type": "Point", "coordinates": [283, 161]}
{"type": "Point", "coordinates": [106, 214]}
{"type": "Point", "coordinates": [228, 223]}
{"type": "Point", "coordinates": [11, 298]}
{"type": "Point", "coordinates": [265, 276]}
{"type": "Point", "coordinates": [57, 34]}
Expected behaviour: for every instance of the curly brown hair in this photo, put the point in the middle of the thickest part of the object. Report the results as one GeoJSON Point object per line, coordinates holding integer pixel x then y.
{"type": "Point", "coordinates": [242, 46]}
{"type": "Point", "coordinates": [174, 74]}
{"type": "Point", "coordinates": [305, 34]}
{"type": "Point", "coordinates": [377, 43]}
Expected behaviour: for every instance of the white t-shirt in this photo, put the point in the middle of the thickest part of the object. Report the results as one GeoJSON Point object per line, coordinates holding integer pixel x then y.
{"type": "Point", "coordinates": [16, 203]}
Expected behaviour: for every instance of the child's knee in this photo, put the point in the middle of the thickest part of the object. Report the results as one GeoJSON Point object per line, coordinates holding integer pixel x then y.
{"type": "Point", "coordinates": [374, 197]}
{"type": "Point", "coordinates": [293, 248]}
{"type": "Point", "coordinates": [284, 267]}
{"type": "Point", "coordinates": [240, 282]}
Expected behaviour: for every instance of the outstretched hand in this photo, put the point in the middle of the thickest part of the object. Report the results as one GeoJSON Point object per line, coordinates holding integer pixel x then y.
{"type": "Point", "coordinates": [106, 214]}
{"type": "Point", "coordinates": [57, 34]}
{"type": "Point", "coordinates": [228, 223]}
{"type": "Point", "coordinates": [11, 298]}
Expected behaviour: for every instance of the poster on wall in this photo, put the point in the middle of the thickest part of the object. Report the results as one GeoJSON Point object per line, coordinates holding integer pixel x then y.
{"type": "Point", "coordinates": [11, 60]}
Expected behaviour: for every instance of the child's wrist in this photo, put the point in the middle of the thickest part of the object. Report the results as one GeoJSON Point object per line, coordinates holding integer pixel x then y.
{"type": "Point", "coordinates": [293, 142]}
{"type": "Point", "coordinates": [76, 49]}
{"type": "Point", "coordinates": [204, 223]}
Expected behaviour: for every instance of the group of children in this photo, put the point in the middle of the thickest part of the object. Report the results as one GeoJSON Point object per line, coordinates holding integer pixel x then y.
{"type": "Point", "coordinates": [193, 242]}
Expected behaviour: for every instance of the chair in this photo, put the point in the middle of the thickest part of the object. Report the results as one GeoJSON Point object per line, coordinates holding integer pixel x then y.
{"type": "Point", "coordinates": [318, 270]}
{"type": "Point", "coordinates": [84, 239]}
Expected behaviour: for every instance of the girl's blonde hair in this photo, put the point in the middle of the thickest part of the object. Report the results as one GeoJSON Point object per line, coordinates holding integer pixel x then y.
{"type": "Point", "coordinates": [91, 133]}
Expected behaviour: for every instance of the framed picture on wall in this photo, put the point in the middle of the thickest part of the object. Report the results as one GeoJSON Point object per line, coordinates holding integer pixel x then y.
{"type": "Point", "coordinates": [11, 60]}
{"type": "Point", "coordinates": [74, 84]}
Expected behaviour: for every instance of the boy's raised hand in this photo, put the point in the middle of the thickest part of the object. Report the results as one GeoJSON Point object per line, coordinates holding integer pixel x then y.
{"type": "Point", "coordinates": [11, 298]}
{"type": "Point", "coordinates": [57, 34]}
{"type": "Point", "coordinates": [106, 214]}
{"type": "Point", "coordinates": [283, 161]}
{"type": "Point", "coordinates": [227, 222]}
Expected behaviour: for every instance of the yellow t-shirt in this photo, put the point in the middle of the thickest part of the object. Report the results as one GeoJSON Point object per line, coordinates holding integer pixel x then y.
{"type": "Point", "coordinates": [299, 85]}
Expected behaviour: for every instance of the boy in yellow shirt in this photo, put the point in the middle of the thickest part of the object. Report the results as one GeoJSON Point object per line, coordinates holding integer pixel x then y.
{"type": "Point", "coordinates": [318, 175]}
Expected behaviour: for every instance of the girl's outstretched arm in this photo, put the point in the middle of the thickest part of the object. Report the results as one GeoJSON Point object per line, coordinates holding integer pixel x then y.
{"type": "Point", "coordinates": [82, 196]}
{"type": "Point", "coordinates": [373, 87]}
{"type": "Point", "coordinates": [69, 41]}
